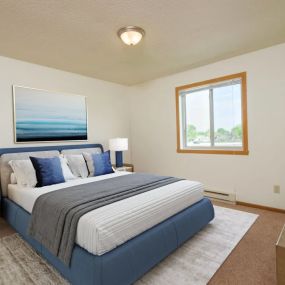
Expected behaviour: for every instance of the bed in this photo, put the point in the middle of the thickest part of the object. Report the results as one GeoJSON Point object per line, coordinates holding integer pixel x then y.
{"type": "Point", "coordinates": [117, 243]}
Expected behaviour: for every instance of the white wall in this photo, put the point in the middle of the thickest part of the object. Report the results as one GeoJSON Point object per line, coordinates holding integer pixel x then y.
{"type": "Point", "coordinates": [152, 119]}
{"type": "Point", "coordinates": [108, 103]}
{"type": "Point", "coordinates": [252, 177]}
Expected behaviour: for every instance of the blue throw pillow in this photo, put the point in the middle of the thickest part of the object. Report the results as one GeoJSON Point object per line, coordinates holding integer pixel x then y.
{"type": "Point", "coordinates": [102, 163]}
{"type": "Point", "coordinates": [48, 171]}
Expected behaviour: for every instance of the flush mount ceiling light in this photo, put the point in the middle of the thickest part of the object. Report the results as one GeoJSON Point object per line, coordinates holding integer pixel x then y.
{"type": "Point", "coordinates": [131, 35]}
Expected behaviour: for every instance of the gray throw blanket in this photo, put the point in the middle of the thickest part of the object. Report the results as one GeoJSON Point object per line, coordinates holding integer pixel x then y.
{"type": "Point", "coordinates": [56, 214]}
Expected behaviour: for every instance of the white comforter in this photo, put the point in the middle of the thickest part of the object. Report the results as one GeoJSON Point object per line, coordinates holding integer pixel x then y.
{"type": "Point", "coordinates": [103, 229]}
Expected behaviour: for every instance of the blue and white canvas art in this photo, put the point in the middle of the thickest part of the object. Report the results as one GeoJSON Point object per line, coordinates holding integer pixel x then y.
{"type": "Point", "coordinates": [48, 116]}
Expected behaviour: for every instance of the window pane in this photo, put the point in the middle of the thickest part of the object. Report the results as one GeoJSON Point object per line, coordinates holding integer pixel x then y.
{"type": "Point", "coordinates": [198, 119]}
{"type": "Point", "coordinates": [227, 116]}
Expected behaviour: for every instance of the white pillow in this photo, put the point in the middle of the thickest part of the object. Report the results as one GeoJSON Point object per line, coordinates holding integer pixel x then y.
{"type": "Point", "coordinates": [24, 172]}
{"type": "Point", "coordinates": [77, 164]}
{"type": "Point", "coordinates": [13, 179]}
{"type": "Point", "coordinates": [90, 163]}
{"type": "Point", "coordinates": [67, 174]}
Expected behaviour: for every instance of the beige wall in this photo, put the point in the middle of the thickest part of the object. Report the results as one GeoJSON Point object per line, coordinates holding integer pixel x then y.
{"type": "Point", "coordinates": [107, 102]}
{"type": "Point", "coordinates": [252, 177]}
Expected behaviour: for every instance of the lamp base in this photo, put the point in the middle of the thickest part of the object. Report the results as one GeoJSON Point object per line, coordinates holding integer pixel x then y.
{"type": "Point", "coordinates": [119, 158]}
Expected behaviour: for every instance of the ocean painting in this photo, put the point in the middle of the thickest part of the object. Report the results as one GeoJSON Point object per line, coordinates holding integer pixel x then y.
{"type": "Point", "coordinates": [45, 116]}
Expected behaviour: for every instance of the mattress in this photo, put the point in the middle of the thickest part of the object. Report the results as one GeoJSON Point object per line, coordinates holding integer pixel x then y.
{"type": "Point", "coordinates": [105, 228]}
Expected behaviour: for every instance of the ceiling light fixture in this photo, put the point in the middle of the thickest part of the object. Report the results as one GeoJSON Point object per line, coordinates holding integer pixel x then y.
{"type": "Point", "coordinates": [131, 35]}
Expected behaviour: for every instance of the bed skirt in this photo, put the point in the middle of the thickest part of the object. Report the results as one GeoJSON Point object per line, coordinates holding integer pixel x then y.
{"type": "Point", "coordinates": [128, 262]}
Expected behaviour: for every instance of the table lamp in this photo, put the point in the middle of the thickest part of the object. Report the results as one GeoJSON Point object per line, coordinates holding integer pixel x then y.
{"type": "Point", "coordinates": [118, 145]}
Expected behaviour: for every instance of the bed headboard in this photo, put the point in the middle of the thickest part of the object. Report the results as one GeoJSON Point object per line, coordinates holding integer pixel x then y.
{"type": "Point", "coordinates": [47, 148]}
{"type": "Point", "coordinates": [42, 149]}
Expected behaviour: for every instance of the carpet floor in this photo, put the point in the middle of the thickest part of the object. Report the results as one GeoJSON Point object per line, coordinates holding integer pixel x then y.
{"type": "Point", "coordinates": [253, 261]}
{"type": "Point", "coordinates": [194, 263]}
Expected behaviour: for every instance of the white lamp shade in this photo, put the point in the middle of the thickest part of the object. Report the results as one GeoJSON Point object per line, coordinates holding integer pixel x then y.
{"type": "Point", "coordinates": [118, 144]}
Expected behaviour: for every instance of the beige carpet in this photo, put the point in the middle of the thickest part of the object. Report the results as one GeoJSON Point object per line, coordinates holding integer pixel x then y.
{"type": "Point", "coordinates": [194, 263]}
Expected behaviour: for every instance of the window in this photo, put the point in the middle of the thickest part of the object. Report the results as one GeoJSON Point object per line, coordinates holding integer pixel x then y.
{"type": "Point", "coordinates": [211, 116]}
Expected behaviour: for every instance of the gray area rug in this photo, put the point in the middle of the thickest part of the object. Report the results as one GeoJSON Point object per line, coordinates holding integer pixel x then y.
{"type": "Point", "coordinates": [194, 263]}
{"type": "Point", "coordinates": [21, 265]}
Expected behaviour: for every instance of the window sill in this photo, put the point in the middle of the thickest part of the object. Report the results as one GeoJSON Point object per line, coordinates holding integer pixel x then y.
{"type": "Point", "coordinates": [214, 151]}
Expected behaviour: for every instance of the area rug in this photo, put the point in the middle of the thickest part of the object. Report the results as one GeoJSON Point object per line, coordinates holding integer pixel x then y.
{"type": "Point", "coordinates": [193, 263]}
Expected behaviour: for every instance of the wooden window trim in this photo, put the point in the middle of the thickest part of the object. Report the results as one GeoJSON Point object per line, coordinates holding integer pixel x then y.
{"type": "Point", "coordinates": [245, 150]}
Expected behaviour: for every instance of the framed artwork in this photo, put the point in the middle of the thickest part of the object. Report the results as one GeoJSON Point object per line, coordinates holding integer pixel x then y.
{"type": "Point", "coordinates": [47, 116]}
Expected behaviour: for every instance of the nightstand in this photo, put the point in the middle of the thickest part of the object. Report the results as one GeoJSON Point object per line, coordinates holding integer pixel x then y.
{"type": "Point", "coordinates": [126, 167]}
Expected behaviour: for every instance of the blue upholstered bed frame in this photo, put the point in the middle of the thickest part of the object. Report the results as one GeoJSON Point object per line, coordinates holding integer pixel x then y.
{"type": "Point", "coordinates": [128, 262]}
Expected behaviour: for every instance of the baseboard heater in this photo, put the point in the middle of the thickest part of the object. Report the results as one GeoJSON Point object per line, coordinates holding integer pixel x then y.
{"type": "Point", "coordinates": [220, 196]}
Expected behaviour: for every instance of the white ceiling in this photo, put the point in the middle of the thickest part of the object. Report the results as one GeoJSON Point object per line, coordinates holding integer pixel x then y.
{"type": "Point", "coordinates": [80, 35]}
